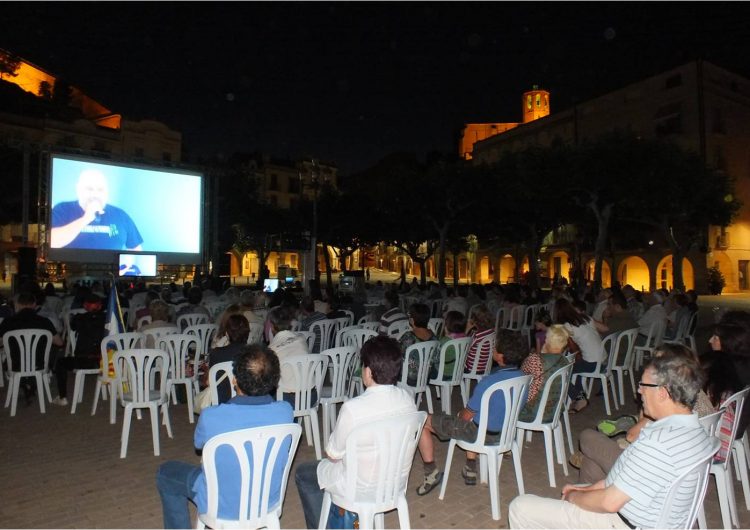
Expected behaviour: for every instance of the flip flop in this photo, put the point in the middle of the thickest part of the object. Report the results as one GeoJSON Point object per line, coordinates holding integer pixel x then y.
{"type": "Point", "coordinates": [621, 425]}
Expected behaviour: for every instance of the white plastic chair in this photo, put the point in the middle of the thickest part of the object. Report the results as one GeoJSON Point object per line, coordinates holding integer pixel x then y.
{"type": "Point", "coordinates": [654, 338]}
{"type": "Point", "coordinates": [324, 330]}
{"type": "Point", "coordinates": [515, 318]}
{"type": "Point", "coordinates": [491, 456]}
{"type": "Point", "coordinates": [697, 474]}
{"type": "Point", "coordinates": [485, 344]}
{"type": "Point", "coordinates": [339, 335]}
{"type": "Point", "coordinates": [550, 428]}
{"type": "Point", "coordinates": [396, 440]}
{"type": "Point", "coordinates": [341, 322]}
{"type": "Point", "coordinates": [423, 351]}
{"type": "Point", "coordinates": [366, 319]}
{"type": "Point", "coordinates": [356, 338]}
{"type": "Point", "coordinates": [135, 367]}
{"type": "Point", "coordinates": [722, 471]}
{"type": "Point", "coordinates": [308, 371]}
{"type": "Point", "coordinates": [107, 380]}
{"type": "Point", "coordinates": [28, 343]}
{"type": "Point", "coordinates": [79, 376]}
{"type": "Point", "coordinates": [372, 326]}
{"type": "Point", "coordinates": [205, 333]}
{"type": "Point", "coordinates": [214, 374]}
{"type": "Point", "coordinates": [527, 324]}
{"type": "Point", "coordinates": [398, 328]}
{"type": "Point", "coordinates": [741, 451]}
{"type": "Point", "coordinates": [309, 337]}
{"type": "Point", "coordinates": [256, 333]}
{"type": "Point", "coordinates": [627, 337]}
{"type": "Point", "coordinates": [67, 315]}
{"type": "Point", "coordinates": [603, 373]}
{"type": "Point", "coordinates": [257, 452]}
{"type": "Point", "coordinates": [339, 364]}
{"type": "Point", "coordinates": [435, 324]}
{"type": "Point", "coordinates": [177, 345]}
{"type": "Point", "coordinates": [500, 318]}
{"type": "Point", "coordinates": [146, 319]}
{"type": "Point", "coordinates": [191, 319]}
{"type": "Point", "coordinates": [459, 347]}
{"type": "Point", "coordinates": [153, 336]}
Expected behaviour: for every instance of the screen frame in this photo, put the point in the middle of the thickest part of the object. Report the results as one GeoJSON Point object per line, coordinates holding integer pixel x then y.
{"type": "Point", "coordinates": [140, 255]}
{"type": "Point", "coordinates": [109, 256]}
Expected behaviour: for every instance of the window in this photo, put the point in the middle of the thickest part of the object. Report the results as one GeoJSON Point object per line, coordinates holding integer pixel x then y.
{"type": "Point", "coordinates": [528, 102]}
{"type": "Point", "coordinates": [673, 81]}
{"type": "Point", "coordinates": [668, 119]}
{"type": "Point", "coordinates": [273, 183]}
{"type": "Point", "coordinates": [538, 100]}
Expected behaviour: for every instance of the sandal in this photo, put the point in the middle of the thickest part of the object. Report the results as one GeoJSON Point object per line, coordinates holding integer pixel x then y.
{"type": "Point", "coordinates": [470, 476]}
{"type": "Point", "coordinates": [430, 482]}
{"type": "Point", "coordinates": [578, 405]}
{"type": "Point", "coordinates": [621, 425]}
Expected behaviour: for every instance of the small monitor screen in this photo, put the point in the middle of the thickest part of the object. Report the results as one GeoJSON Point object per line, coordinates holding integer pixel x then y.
{"type": "Point", "coordinates": [137, 265]}
{"type": "Point", "coordinates": [270, 285]}
{"type": "Point", "coordinates": [289, 279]}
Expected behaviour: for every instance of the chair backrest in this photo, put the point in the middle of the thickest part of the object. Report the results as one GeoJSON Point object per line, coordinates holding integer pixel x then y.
{"type": "Point", "coordinates": [256, 333]}
{"type": "Point", "coordinates": [436, 325]}
{"type": "Point", "coordinates": [191, 319]}
{"type": "Point", "coordinates": [205, 333]}
{"type": "Point", "coordinates": [529, 315]}
{"type": "Point", "coordinates": [340, 360]}
{"type": "Point", "coordinates": [710, 422]}
{"type": "Point", "coordinates": [309, 339]}
{"type": "Point", "coordinates": [324, 330]}
{"type": "Point", "coordinates": [350, 316]}
{"type": "Point", "coordinates": [308, 372]}
{"type": "Point", "coordinates": [398, 328]}
{"type": "Point", "coordinates": [357, 337]}
{"type": "Point", "coordinates": [459, 347]}
{"type": "Point", "coordinates": [735, 403]}
{"type": "Point", "coordinates": [500, 320]}
{"type": "Point", "coordinates": [610, 354]}
{"type": "Point", "coordinates": [118, 342]}
{"type": "Point", "coordinates": [154, 335]}
{"type": "Point", "coordinates": [177, 345]}
{"type": "Point", "coordinates": [436, 307]}
{"type": "Point", "coordinates": [692, 324]}
{"type": "Point", "coordinates": [656, 333]}
{"type": "Point", "coordinates": [682, 327]}
{"type": "Point", "coordinates": [136, 367]}
{"type": "Point", "coordinates": [422, 351]}
{"type": "Point", "coordinates": [368, 319]}
{"type": "Point", "coordinates": [214, 309]}
{"type": "Point", "coordinates": [513, 390]}
{"type": "Point", "coordinates": [339, 335]}
{"type": "Point", "coordinates": [371, 325]}
{"type": "Point", "coordinates": [31, 344]}
{"type": "Point", "coordinates": [214, 374]}
{"type": "Point", "coordinates": [146, 319]}
{"type": "Point", "coordinates": [484, 346]}
{"type": "Point", "coordinates": [380, 481]}
{"type": "Point", "coordinates": [560, 377]}
{"type": "Point", "coordinates": [695, 478]}
{"type": "Point", "coordinates": [515, 319]}
{"type": "Point", "coordinates": [626, 338]}
{"type": "Point", "coordinates": [262, 457]}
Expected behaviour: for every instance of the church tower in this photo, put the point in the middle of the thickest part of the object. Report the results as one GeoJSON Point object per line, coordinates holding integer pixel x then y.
{"type": "Point", "coordinates": [535, 104]}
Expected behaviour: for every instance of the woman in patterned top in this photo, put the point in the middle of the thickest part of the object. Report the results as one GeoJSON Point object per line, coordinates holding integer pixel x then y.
{"type": "Point", "coordinates": [541, 366]}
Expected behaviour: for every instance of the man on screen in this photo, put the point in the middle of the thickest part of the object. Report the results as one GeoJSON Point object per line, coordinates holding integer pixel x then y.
{"type": "Point", "coordinates": [90, 222]}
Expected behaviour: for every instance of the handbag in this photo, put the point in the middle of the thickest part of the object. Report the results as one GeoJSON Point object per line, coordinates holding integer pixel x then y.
{"type": "Point", "coordinates": [203, 399]}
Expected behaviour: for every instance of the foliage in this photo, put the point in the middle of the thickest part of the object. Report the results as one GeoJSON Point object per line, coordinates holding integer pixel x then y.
{"type": "Point", "coordinates": [9, 64]}
{"type": "Point", "coordinates": [716, 281]}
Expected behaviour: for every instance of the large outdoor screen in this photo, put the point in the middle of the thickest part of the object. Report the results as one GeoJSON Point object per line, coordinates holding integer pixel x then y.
{"type": "Point", "coordinates": [100, 209]}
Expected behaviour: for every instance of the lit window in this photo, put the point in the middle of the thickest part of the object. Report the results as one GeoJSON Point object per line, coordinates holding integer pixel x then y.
{"type": "Point", "coordinates": [528, 102]}
{"type": "Point", "coordinates": [538, 100]}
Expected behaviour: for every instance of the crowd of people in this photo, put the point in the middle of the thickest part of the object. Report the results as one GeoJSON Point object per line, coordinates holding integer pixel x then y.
{"type": "Point", "coordinates": [675, 382]}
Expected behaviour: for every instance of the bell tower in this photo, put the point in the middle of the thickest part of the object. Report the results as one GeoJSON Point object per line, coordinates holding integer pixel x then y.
{"type": "Point", "coordinates": [535, 104]}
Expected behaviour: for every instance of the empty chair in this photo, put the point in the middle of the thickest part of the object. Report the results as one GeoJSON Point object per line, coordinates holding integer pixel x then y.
{"type": "Point", "coordinates": [303, 375]}
{"type": "Point", "coordinates": [257, 452]}
{"type": "Point", "coordinates": [366, 318]}
{"type": "Point", "coordinates": [133, 370]}
{"type": "Point", "coordinates": [549, 422]}
{"type": "Point", "coordinates": [205, 333]}
{"type": "Point", "coordinates": [419, 353]}
{"type": "Point", "coordinates": [513, 390]}
{"type": "Point", "coordinates": [450, 372]}
{"type": "Point", "coordinates": [339, 364]}
{"type": "Point", "coordinates": [374, 491]}
{"type": "Point", "coordinates": [324, 330]}
{"type": "Point", "coordinates": [33, 346]}
{"type": "Point", "coordinates": [183, 350]}
{"type": "Point", "coordinates": [603, 373]}
{"type": "Point", "coordinates": [626, 341]}
{"type": "Point", "coordinates": [436, 325]}
{"type": "Point", "coordinates": [107, 378]}
{"type": "Point", "coordinates": [191, 319]}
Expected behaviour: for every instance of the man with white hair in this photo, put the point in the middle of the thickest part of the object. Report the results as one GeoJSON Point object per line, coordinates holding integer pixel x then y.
{"type": "Point", "coordinates": [655, 313]}
{"type": "Point", "coordinates": [90, 222]}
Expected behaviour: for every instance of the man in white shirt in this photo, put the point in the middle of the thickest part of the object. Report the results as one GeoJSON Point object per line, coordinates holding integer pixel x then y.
{"type": "Point", "coordinates": [655, 313]}
{"type": "Point", "coordinates": [381, 370]}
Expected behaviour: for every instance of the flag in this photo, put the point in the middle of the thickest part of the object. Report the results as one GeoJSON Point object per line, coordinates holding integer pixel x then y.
{"type": "Point", "coordinates": [113, 324]}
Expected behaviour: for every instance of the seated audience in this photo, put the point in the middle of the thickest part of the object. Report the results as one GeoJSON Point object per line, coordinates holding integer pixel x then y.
{"type": "Point", "coordinates": [419, 316]}
{"type": "Point", "coordinates": [479, 325]}
{"type": "Point", "coordinates": [392, 313]}
{"type": "Point", "coordinates": [237, 333]}
{"type": "Point", "coordinates": [541, 366]}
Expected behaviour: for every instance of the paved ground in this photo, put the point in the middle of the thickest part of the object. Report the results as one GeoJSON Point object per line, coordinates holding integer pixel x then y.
{"type": "Point", "coordinates": [64, 471]}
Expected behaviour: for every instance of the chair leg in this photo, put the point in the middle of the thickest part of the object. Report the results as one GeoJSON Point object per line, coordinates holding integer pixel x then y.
{"type": "Point", "coordinates": [621, 386]}
{"type": "Point", "coordinates": [308, 436]}
{"type": "Point", "coordinates": [550, 462]}
{"type": "Point", "coordinates": [189, 392]}
{"type": "Point", "coordinates": [114, 394]}
{"type": "Point", "coordinates": [605, 393]}
{"type": "Point", "coordinates": [446, 394]}
{"type": "Point", "coordinates": [324, 509]}
{"type": "Point", "coordinates": [40, 392]}
{"type": "Point", "coordinates": [403, 513]}
{"type": "Point", "coordinates": [13, 386]}
{"type": "Point", "coordinates": [560, 447]}
{"type": "Point", "coordinates": [313, 418]}
{"type": "Point", "coordinates": [326, 420]}
{"type": "Point", "coordinates": [740, 459]}
{"type": "Point", "coordinates": [566, 421]}
{"type": "Point", "coordinates": [98, 389]}
{"type": "Point", "coordinates": [723, 493]}
{"type": "Point", "coordinates": [631, 373]}
{"type": "Point", "coordinates": [519, 469]}
{"type": "Point", "coordinates": [76, 390]}
{"type": "Point", "coordinates": [154, 413]}
{"type": "Point", "coordinates": [493, 471]}
{"type": "Point", "coordinates": [428, 398]}
{"type": "Point", "coordinates": [447, 469]}
{"type": "Point", "coordinates": [165, 418]}
{"type": "Point", "coordinates": [125, 431]}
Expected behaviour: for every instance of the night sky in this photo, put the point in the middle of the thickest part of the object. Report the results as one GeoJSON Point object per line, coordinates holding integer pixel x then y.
{"type": "Point", "coordinates": [351, 82]}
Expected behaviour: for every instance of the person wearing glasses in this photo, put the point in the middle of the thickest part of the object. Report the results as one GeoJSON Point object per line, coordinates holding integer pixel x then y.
{"type": "Point", "coordinates": [633, 494]}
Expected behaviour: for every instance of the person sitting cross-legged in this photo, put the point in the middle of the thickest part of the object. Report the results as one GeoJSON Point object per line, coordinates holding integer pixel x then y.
{"type": "Point", "coordinates": [464, 426]}
{"type": "Point", "coordinates": [381, 362]}
{"type": "Point", "coordinates": [256, 375]}
{"type": "Point", "coordinates": [634, 491]}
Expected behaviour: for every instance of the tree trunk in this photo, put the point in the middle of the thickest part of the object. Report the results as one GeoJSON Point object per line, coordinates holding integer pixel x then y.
{"type": "Point", "coordinates": [327, 258]}
{"type": "Point", "coordinates": [441, 256]}
{"type": "Point", "coordinates": [455, 270]}
{"type": "Point", "coordinates": [533, 256]}
{"type": "Point", "coordinates": [422, 272]}
{"type": "Point", "coordinates": [602, 217]}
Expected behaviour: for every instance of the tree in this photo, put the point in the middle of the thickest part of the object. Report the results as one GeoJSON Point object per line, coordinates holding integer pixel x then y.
{"type": "Point", "coordinates": [9, 64]}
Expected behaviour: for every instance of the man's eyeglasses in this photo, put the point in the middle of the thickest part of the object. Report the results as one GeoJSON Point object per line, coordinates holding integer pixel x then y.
{"type": "Point", "coordinates": [650, 385]}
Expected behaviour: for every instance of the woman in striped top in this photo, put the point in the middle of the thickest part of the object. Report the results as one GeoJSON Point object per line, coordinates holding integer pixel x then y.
{"type": "Point", "coordinates": [479, 326]}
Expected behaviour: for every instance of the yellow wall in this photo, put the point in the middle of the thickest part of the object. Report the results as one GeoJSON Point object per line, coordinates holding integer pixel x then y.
{"type": "Point", "coordinates": [634, 271]}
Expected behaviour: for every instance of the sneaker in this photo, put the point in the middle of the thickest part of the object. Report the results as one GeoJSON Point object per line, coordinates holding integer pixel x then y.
{"type": "Point", "coordinates": [62, 402]}
{"type": "Point", "coordinates": [430, 482]}
{"type": "Point", "coordinates": [470, 475]}
{"type": "Point", "coordinates": [576, 459]}
{"type": "Point", "coordinates": [617, 426]}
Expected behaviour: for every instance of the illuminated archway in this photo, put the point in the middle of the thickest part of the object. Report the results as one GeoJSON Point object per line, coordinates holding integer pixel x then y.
{"type": "Point", "coordinates": [634, 271]}
{"type": "Point", "coordinates": [507, 269]}
{"type": "Point", "coordinates": [606, 272]}
{"type": "Point", "coordinates": [558, 264]}
{"type": "Point", "coordinates": [484, 270]}
{"type": "Point", "coordinates": [525, 265]}
{"type": "Point", "coordinates": [665, 278]}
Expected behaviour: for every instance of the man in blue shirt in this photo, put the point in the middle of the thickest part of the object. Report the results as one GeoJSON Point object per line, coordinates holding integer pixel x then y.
{"type": "Point", "coordinates": [256, 373]}
{"type": "Point", "coordinates": [90, 222]}
{"type": "Point", "coordinates": [464, 426]}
